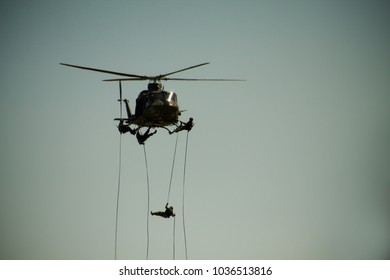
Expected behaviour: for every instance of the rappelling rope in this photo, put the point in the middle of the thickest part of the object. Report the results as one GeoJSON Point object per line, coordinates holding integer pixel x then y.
{"type": "Point", "coordinates": [119, 175]}
{"type": "Point", "coordinates": [173, 166]}
{"type": "Point", "coordinates": [147, 214]}
{"type": "Point", "coordinates": [117, 197]}
{"type": "Point", "coordinates": [174, 238]}
{"type": "Point", "coordinates": [184, 181]}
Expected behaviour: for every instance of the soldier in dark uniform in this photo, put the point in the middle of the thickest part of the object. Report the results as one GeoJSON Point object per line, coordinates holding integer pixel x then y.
{"type": "Point", "coordinates": [184, 126]}
{"type": "Point", "coordinates": [123, 128]}
{"type": "Point", "coordinates": [143, 137]}
{"type": "Point", "coordinates": [165, 214]}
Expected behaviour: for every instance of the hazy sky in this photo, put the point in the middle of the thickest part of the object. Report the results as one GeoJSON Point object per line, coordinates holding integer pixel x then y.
{"type": "Point", "coordinates": [291, 164]}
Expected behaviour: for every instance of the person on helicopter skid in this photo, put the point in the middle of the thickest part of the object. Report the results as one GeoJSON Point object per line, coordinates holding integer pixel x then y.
{"type": "Point", "coordinates": [165, 214]}
{"type": "Point", "coordinates": [184, 126]}
{"type": "Point", "coordinates": [123, 128]}
{"type": "Point", "coordinates": [143, 137]}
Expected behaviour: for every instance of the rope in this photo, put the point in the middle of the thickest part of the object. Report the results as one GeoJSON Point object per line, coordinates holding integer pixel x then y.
{"type": "Point", "coordinates": [173, 165]}
{"type": "Point", "coordinates": [147, 214]}
{"type": "Point", "coordinates": [174, 238]}
{"type": "Point", "coordinates": [120, 97]}
{"type": "Point", "coordinates": [184, 181]}
{"type": "Point", "coordinates": [117, 197]}
{"type": "Point", "coordinates": [119, 175]}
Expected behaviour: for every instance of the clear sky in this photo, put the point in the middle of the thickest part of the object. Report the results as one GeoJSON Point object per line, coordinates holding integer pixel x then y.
{"type": "Point", "coordinates": [291, 164]}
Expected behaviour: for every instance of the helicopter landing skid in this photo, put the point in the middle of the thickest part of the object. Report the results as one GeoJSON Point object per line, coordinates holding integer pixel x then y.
{"type": "Point", "coordinates": [124, 128]}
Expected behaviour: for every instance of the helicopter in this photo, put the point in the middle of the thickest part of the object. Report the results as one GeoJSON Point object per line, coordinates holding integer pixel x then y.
{"type": "Point", "coordinates": [154, 107]}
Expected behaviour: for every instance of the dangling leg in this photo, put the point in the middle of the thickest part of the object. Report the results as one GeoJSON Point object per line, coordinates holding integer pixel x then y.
{"type": "Point", "coordinates": [158, 213]}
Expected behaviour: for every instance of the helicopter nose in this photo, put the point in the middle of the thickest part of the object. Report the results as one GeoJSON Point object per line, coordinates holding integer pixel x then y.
{"type": "Point", "coordinates": [157, 103]}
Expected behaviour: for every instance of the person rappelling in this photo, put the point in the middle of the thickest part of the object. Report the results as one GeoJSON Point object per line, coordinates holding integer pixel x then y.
{"type": "Point", "coordinates": [123, 128]}
{"type": "Point", "coordinates": [184, 126]}
{"type": "Point", "coordinates": [143, 137]}
{"type": "Point", "coordinates": [165, 214]}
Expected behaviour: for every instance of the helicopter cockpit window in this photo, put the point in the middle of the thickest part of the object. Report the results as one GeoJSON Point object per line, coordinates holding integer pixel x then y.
{"type": "Point", "coordinates": [171, 98]}
{"type": "Point", "coordinates": [159, 96]}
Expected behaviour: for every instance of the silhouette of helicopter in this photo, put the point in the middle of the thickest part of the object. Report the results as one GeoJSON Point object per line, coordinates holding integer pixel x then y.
{"type": "Point", "coordinates": [155, 107]}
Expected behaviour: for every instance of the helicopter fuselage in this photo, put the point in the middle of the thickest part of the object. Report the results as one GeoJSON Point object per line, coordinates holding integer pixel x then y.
{"type": "Point", "coordinates": [155, 109]}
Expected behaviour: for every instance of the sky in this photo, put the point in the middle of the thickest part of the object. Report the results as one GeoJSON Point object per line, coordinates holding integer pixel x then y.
{"type": "Point", "coordinates": [293, 163]}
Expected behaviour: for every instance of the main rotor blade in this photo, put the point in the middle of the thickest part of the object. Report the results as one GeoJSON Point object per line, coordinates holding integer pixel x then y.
{"type": "Point", "coordinates": [181, 70]}
{"type": "Point", "coordinates": [206, 80]}
{"type": "Point", "coordinates": [125, 79]}
{"type": "Point", "coordinates": [106, 71]}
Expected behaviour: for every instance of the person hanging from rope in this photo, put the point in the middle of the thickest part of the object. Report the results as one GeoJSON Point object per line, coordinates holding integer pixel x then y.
{"type": "Point", "coordinates": [184, 126]}
{"type": "Point", "coordinates": [165, 214]}
{"type": "Point", "coordinates": [143, 137]}
{"type": "Point", "coordinates": [123, 128]}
